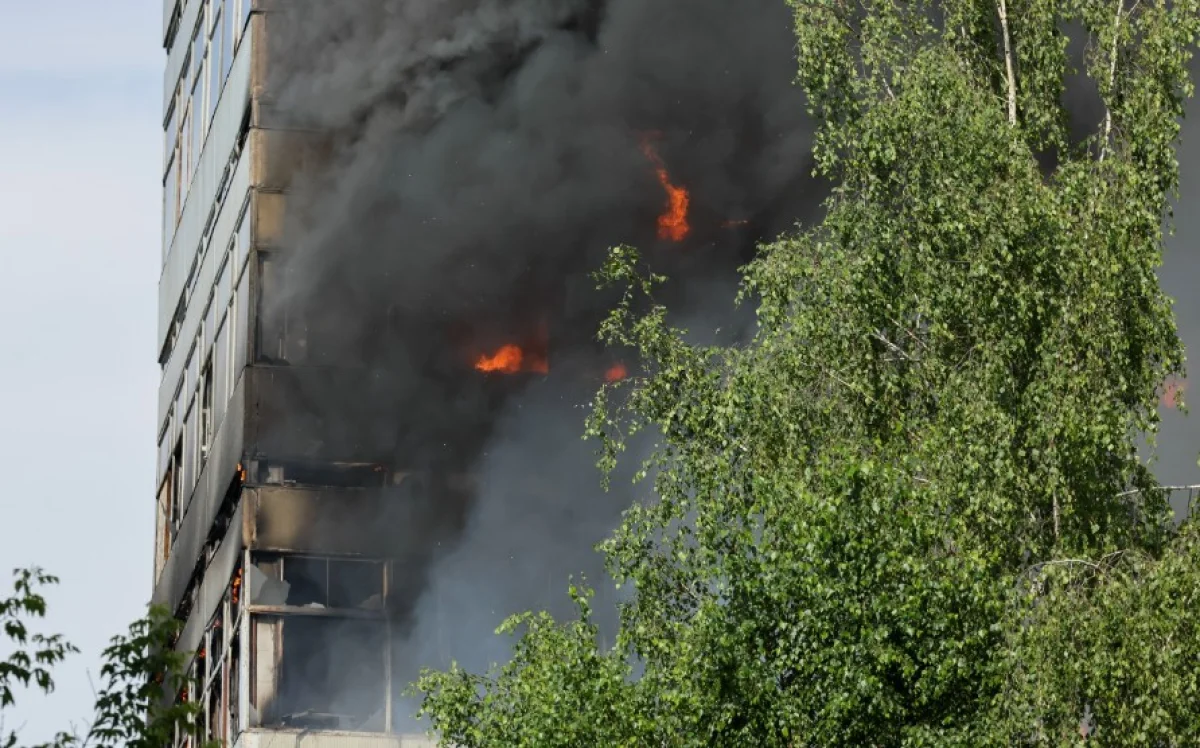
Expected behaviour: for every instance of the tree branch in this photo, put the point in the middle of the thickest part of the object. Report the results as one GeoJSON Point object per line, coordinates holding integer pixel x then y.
{"type": "Point", "coordinates": [1010, 73]}
{"type": "Point", "coordinates": [1112, 79]}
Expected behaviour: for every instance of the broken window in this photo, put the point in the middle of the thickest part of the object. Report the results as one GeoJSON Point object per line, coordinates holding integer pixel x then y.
{"type": "Point", "coordinates": [316, 582]}
{"type": "Point", "coordinates": [320, 672]}
{"type": "Point", "coordinates": [318, 642]}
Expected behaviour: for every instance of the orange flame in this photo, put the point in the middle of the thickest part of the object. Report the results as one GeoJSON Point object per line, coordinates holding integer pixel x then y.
{"type": "Point", "coordinates": [511, 359]}
{"type": "Point", "coordinates": [673, 223]}
{"type": "Point", "coordinates": [616, 372]}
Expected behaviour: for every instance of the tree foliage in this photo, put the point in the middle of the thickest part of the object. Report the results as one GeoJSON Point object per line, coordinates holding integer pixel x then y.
{"type": "Point", "coordinates": [911, 511]}
{"type": "Point", "coordinates": [140, 674]}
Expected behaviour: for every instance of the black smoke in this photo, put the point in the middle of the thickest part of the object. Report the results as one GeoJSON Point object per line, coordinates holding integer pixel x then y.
{"type": "Point", "coordinates": [475, 160]}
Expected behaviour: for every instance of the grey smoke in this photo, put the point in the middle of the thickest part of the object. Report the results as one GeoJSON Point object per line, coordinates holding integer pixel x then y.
{"type": "Point", "coordinates": [477, 159]}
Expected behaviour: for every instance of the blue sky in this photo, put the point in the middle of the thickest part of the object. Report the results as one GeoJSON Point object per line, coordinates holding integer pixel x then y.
{"type": "Point", "coordinates": [80, 96]}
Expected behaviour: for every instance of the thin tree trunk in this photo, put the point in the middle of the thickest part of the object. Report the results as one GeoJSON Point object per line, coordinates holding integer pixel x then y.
{"type": "Point", "coordinates": [1055, 510]}
{"type": "Point", "coordinates": [1112, 79]}
{"type": "Point", "coordinates": [1008, 64]}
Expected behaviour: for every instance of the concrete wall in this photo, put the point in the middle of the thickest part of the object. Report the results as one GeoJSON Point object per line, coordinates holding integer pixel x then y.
{"type": "Point", "coordinates": [298, 739]}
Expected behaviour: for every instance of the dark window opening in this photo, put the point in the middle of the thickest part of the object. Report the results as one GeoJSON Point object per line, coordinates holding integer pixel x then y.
{"type": "Point", "coordinates": [176, 476]}
{"type": "Point", "coordinates": [206, 409]}
{"type": "Point", "coordinates": [332, 475]}
{"type": "Point", "coordinates": [315, 582]}
{"type": "Point", "coordinates": [330, 674]}
{"type": "Point", "coordinates": [282, 331]}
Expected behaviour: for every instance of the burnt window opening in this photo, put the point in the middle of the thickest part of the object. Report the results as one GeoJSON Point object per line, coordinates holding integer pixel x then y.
{"type": "Point", "coordinates": [282, 330]}
{"type": "Point", "coordinates": [235, 690]}
{"type": "Point", "coordinates": [219, 669]}
{"type": "Point", "coordinates": [327, 474]}
{"type": "Point", "coordinates": [317, 582]}
{"type": "Point", "coordinates": [318, 642]}
{"type": "Point", "coordinates": [320, 673]}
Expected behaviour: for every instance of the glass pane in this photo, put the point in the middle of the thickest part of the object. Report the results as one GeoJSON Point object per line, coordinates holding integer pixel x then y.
{"type": "Point", "coordinates": [171, 134]}
{"type": "Point", "coordinates": [210, 324]}
{"type": "Point", "coordinates": [243, 237]}
{"type": "Point", "coordinates": [214, 13]}
{"type": "Point", "coordinates": [185, 155]}
{"type": "Point", "coordinates": [265, 581]}
{"type": "Point", "coordinates": [193, 374]}
{"type": "Point", "coordinates": [189, 455]}
{"type": "Point", "coordinates": [220, 369]}
{"type": "Point", "coordinates": [223, 287]}
{"type": "Point", "coordinates": [227, 40]}
{"type": "Point", "coordinates": [215, 67]}
{"type": "Point", "coordinates": [197, 123]}
{"type": "Point", "coordinates": [239, 335]}
{"type": "Point", "coordinates": [170, 202]}
{"type": "Point", "coordinates": [247, 5]}
{"type": "Point", "coordinates": [164, 448]}
{"type": "Point", "coordinates": [307, 580]}
{"type": "Point", "coordinates": [198, 40]}
{"type": "Point", "coordinates": [180, 404]}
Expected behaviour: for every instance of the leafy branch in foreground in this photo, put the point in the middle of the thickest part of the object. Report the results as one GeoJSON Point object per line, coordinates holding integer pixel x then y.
{"type": "Point", "coordinates": [141, 674]}
{"type": "Point", "coordinates": [34, 654]}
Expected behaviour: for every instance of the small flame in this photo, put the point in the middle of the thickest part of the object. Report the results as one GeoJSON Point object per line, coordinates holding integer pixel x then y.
{"type": "Point", "coordinates": [616, 372]}
{"type": "Point", "coordinates": [673, 223]}
{"type": "Point", "coordinates": [235, 593]}
{"type": "Point", "coordinates": [511, 359]}
{"type": "Point", "coordinates": [730, 224]}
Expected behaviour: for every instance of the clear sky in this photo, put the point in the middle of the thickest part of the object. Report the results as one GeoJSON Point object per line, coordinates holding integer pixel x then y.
{"type": "Point", "coordinates": [80, 153]}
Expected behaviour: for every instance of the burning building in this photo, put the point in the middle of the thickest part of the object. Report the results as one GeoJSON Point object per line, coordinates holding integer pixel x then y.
{"type": "Point", "coordinates": [377, 320]}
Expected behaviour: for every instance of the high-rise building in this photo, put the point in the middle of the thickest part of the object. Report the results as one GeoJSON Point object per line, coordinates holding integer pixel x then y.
{"type": "Point", "coordinates": [270, 541]}
{"type": "Point", "coordinates": [377, 321]}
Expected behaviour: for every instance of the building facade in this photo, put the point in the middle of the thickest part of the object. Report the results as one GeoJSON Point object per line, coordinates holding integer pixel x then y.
{"type": "Point", "coordinates": [273, 543]}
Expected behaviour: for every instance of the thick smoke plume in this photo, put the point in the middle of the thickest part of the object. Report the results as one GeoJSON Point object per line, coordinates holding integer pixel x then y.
{"type": "Point", "coordinates": [473, 160]}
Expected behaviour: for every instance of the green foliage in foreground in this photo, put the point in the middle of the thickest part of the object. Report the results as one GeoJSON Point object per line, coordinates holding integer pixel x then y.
{"type": "Point", "coordinates": [911, 510]}
{"type": "Point", "coordinates": [139, 667]}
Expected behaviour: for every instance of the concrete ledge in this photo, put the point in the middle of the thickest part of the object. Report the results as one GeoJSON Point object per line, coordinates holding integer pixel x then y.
{"type": "Point", "coordinates": [260, 738]}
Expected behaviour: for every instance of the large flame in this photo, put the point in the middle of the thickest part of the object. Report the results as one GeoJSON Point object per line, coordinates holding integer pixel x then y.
{"type": "Point", "coordinates": [673, 223]}
{"type": "Point", "coordinates": [511, 359]}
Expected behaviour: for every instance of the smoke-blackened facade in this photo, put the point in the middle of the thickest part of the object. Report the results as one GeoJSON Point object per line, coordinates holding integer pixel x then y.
{"type": "Point", "coordinates": [377, 323]}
